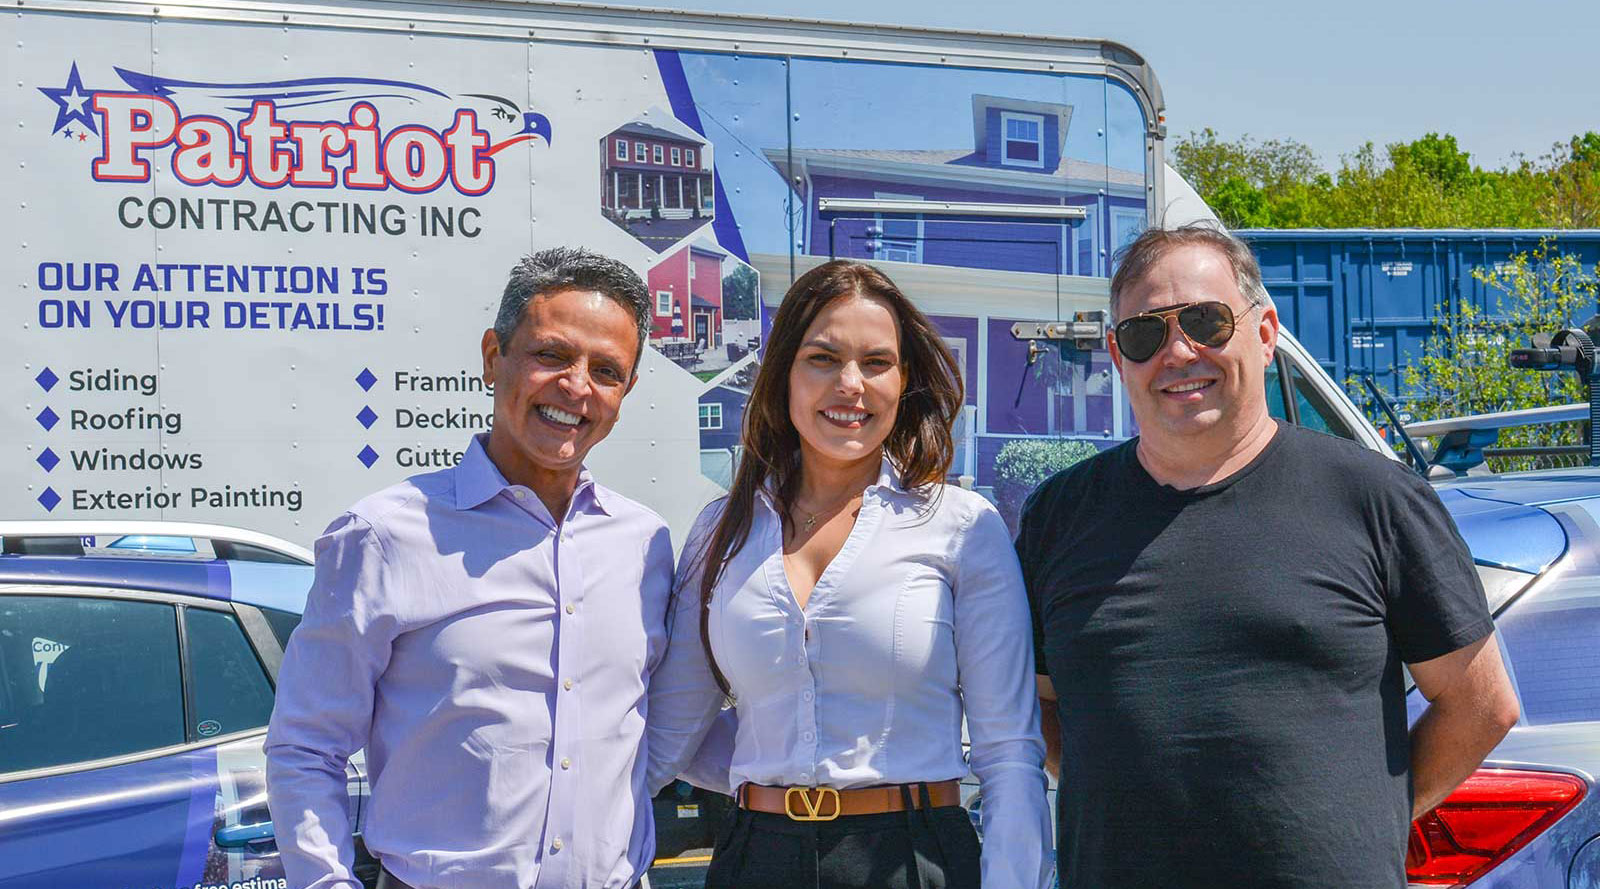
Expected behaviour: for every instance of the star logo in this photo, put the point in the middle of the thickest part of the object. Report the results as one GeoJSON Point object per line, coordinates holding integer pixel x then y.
{"type": "Point", "coordinates": [72, 104]}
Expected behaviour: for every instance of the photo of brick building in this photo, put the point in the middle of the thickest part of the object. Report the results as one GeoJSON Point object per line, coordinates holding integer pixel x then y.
{"type": "Point", "coordinates": [656, 183]}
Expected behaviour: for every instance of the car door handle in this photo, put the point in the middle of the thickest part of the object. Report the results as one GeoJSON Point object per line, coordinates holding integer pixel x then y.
{"type": "Point", "coordinates": [242, 835]}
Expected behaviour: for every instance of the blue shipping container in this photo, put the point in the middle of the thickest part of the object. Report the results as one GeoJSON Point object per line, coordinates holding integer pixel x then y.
{"type": "Point", "coordinates": [1366, 300]}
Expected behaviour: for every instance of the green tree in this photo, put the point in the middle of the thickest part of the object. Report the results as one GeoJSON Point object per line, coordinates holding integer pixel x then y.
{"type": "Point", "coordinates": [1241, 205]}
{"type": "Point", "coordinates": [1464, 368]}
{"type": "Point", "coordinates": [1248, 183]}
{"type": "Point", "coordinates": [1573, 173]}
{"type": "Point", "coordinates": [1024, 463]}
{"type": "Point", "coordinates": [1428, 182]}
{"type": "Point", "coordinates": [741, 293]}
{"type": "Point", "coordinates": [1436, 157]}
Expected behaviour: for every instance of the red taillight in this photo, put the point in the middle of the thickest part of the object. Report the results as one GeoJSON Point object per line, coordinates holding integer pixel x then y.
{"type": "Point", "coordinates": [1491, 815]}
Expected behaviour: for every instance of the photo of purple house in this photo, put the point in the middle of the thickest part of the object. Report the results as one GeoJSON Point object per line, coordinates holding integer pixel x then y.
{"type": "Point", "coordinates": [991, 198]}
{"type": "Point", "coordinates": [1017, 156]}
{"type": "Point", "coordinates": [656, 183]}
{"type": "Point", "coordinates": [721, 417]}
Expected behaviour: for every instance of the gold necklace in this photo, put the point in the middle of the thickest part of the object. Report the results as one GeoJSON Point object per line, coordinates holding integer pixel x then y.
{"type": "Point", "coordinates": [811, 517]}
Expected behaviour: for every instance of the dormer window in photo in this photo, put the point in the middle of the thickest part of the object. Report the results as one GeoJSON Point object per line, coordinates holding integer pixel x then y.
{"type": "Point", "coordinates": [1022, 143]}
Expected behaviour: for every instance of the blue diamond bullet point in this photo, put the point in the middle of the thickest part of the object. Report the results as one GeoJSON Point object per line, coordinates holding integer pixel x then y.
{"type": "Point", "coordinates": [48, 419]}
{"type": "Point", "coordinates": [49, 499]}
{"type": "Point", "coordinates": [368, 456]}
{"type": "Point", "coordinates": [46, 379]}
{"type": "Point", "coordinates": [366, 379]}
{"type": "Point", "coordinates": [48, 459]}
{"type": "Point", "coordinates": [367, 417]}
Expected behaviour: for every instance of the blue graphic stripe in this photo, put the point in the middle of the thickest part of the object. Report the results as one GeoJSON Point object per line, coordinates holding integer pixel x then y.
{"type": "Point", "coordinates": [244, 109]}
{"type": "Point", "coordinates": [184, 577]}
{"type": "Point", "coordinates": [218, 580]}
{"type": "Point", "coordinates": [202, 810]}
{"type": "Point", "coordinates": [676, 84]}
{"type": "Point", "coordinates": [268, 585]}
{"type": "Point", "coordinates": [157, 85]}
{"type": "Point", "coordinates": [280, 95]}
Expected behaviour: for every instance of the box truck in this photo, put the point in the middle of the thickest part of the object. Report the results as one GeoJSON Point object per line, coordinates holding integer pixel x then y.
{"type": "Point", "coordinates": [252, 247]}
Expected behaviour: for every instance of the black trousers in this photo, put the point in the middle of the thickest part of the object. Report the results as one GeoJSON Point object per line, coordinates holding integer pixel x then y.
{"type": "Point", "coordinates": [920, 849]}
{"type": "Point", "coordinates": [387, 880]}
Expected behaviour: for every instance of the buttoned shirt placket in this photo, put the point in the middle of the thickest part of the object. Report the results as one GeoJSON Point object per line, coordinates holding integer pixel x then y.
{"type": "Point", "coordinates": [807, 645]}
{"type": "Point", "coordinates": [556, 868]}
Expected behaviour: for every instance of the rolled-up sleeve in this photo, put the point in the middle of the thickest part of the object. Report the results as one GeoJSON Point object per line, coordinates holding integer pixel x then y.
{"type": "Point", "coordinates": [684, 698]}
{"type": "Point", "coordinates": [994, 656]}
{"type": "Point", "coordinates": [324, 705]}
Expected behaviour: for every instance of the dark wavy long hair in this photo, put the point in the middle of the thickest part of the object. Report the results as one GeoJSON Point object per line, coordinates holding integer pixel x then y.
{"type": "Point", "coordinates": [919, 444]}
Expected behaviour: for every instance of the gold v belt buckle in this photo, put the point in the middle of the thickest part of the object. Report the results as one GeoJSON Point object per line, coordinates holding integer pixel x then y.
{"type": "Point", "coordinates": [813, 808]}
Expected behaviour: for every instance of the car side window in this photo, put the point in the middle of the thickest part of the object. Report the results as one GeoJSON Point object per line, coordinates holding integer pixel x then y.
{"type": "Point", "coordinates": [83, 678]}
{"type": "Point", "coordinates": [1312, 407]}
{"type": "Point", "coordinates": [230, 687]}
{"type": "Point", "coordinates": [282, 623]}
{"type": "Point", "coordinates": [1275, 406]}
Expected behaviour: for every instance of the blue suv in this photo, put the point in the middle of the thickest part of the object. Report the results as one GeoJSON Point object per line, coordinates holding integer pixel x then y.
{"type": "Point", "coordinates": [138, 663]}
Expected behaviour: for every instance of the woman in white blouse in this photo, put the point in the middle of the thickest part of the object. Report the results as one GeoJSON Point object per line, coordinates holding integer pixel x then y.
{"type": "Point", "coordinates": [855, 609]}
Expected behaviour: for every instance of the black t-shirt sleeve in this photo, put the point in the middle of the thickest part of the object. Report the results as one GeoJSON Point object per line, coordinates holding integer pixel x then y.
{"type": "Point", "coordinates": [1436, 602]}
{"type": "Point", "coordinates": [1027, 555]}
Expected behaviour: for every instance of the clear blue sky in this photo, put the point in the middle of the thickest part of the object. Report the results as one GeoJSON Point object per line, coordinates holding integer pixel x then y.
{"type": "Point", "coordinates": [1503, 77]}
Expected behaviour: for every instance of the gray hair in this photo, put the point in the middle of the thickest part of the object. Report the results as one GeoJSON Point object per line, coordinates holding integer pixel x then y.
{"type": "Point", "coordinates": [1138, 258]}
{"type": "Point", "coordinates": [573, 268]}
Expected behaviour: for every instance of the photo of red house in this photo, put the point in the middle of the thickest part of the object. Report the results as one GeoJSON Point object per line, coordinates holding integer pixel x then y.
{"type": "Point", "coordinates": [706, 307]}
{"type": "Point", "coordinates": [656, 183]}
{"type": "Point", "coordinates": [687, 289]}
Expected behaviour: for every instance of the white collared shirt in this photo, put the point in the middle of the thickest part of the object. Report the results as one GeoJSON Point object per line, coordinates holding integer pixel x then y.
{"type": "Point", "coordinates": [492, 660]}
{"type": "Point", "coordinates": [920, 619]}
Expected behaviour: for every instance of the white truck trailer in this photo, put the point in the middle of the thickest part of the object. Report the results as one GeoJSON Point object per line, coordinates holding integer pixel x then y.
{"type": "Point", "coordinates": [251, 247]}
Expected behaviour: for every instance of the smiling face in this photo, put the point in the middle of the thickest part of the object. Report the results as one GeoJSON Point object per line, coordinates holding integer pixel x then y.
{"type": "Point", "coordinates": [1189, 393]}
{"type": "Point", "coordinates": [846, 381]}
{"type": "Point", "coordinates": [558, 385]}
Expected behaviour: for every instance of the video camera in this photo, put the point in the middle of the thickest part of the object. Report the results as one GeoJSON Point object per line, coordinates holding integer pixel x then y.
{"type": "Point", "coordinates": [1569, 349]}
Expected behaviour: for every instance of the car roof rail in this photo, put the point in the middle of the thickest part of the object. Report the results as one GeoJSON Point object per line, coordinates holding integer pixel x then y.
{"type": "Point", "coordinates": [1465, 441]}
{"type": "Point", "coordinates": [148, 538]}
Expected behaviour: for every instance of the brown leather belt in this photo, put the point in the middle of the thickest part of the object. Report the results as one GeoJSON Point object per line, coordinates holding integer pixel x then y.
{"type": "Point", "coordinates": [387, 880]}
{"type": "Point", "coordinates": [826, 803]}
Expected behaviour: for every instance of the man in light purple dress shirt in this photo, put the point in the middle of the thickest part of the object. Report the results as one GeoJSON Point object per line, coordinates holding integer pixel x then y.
{"type": "Point", "coordinates": [486, 632]}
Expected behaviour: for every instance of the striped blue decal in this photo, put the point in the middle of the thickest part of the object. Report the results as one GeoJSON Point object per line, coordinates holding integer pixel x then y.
{"type": "Point", "coordinates": [186, 577]}
{"type": "Point", "coordinates": [682, 100]}
{"type": "Point", "coordinates": [217, 580]}
{"type": "Point", "coordinates": [202, 809]}
{"type": "Point", "coordinates": [267, 585]}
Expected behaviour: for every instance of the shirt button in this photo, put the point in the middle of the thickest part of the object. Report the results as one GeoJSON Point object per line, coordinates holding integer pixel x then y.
{"type": "Point", "coordinates": [805, 695]}
{"type": "Point", "coordinates": [566, 763]}
{"type": "Point", "coordinates": [570, 608]}
{"type": "Point", "coordinates": [566, 684]}
{"type": "Point", "coordinates": [805, 777]}
{"type": "Point", "coordinates": [807, 736]}
{"type": "Point", "coordinates": [555, 845]}
{"type": "Point", "coordinates": [522, 495]}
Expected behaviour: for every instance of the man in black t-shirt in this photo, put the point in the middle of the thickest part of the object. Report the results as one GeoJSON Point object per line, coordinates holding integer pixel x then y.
{"type": "Point", "coordinates": [1223, 606]}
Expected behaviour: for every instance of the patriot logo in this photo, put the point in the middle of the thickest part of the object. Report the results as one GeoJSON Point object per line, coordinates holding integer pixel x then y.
{"type": "Point", "coordinates": [315, 132]}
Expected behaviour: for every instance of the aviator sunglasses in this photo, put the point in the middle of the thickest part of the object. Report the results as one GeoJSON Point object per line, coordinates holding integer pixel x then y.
{"type": "Point", "coordinates": [1203, 323]}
